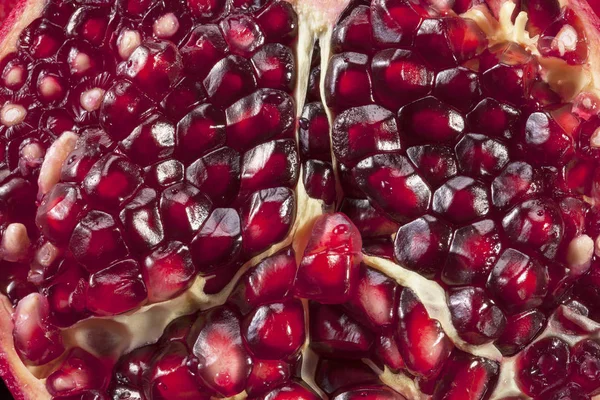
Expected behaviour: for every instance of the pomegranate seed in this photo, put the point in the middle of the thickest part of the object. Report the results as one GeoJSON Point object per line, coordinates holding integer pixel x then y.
{"type": "Point", "coordinates": [186, 95]}
{"type": "Point", "coordinates": [422, 343]}
{"type": "Point", "coordinates": [466, 378]}
{"type": "Point", "coordinates": [458, 87]}
{"type": "Point", "coordinates": [375, 392]}
{"type": "Point", "coordinates": [544, 364]}
{"type": "Point", "coordinates": [184, 209]}
{"type": "Point", "coordinates": [242, 34]}
{"type": "Point", "coordinates": [217, 175]}
{"type": "Point", "coordinates": [476, 318]}
{"type": "Point", "coordinates": [430, 120]}
{"type": "Point", "coordinates": [387, 352]}
{"type": "Point", "coordinates": [168, 376]}
{"type": "Point", "coordinates": [267, 375]}
{"type": "Point", "coordinates": [332, 374]}
{"type": "Point", "coordinates": [203, 49]}
{"type": "Point", "coordinates": [289, 391]}
{"type": "Point", "coordinates": [259, 117]}
{"type": "Point", "coordinates": [97, 241]}
{"type": "Point", "coordinates": [348, 82]}
{"type": "Point", "coordinates": [278, 22]}
{"type": "Point", "coordinates": [570, 391]}
{"type": "Point", "coordinates": [333, 332]}
{"type": "Point", "coordinates": [329, 268]}
{"type": "Point", "coordinates": [393, 184]}
{"type": "Point", "coordinates": [368, 221]}
{"type": "Point", "coordinates": [319, 180]}
{"type": "Point", "coordinates": [122, 107]}
{"type": "Point", "coordinates": [375, 299]}
{"type": "Point", "coordinates": [164, 174]}
{"type": "Point", "coordinates": [545, 140]}
{"type": "Point", "coordinates": [361, 131]}
{"type": "Point", "coordinates": [116, 289]}
{"type": "Point", "coordinates": [565, 38]}
{"type": "Point", "coordinates": [461, 199]}
{"type": "Point", "coordinates": [36, 340]}
{"type": "Point", "coordinates": [395, 21]}
{"type": "Point", "coordinates": [201, 130]}
{"type": "Point", "coordinates": [229, 79]}
{"type": "Point", "coordinates": [215, 339]}
{"type": "Point", "coordinates": [494, 118]}
{"type": "Point", "coordinates": [172, 261]}
{"type": "Point", "coordinates": [435, 163]}
{"type": "Point", "coordinates": [353, 33]}
{"type": "Point", "coordinates": [59, 211]}
{"type": "Point", "coordinates": [141, 220]}
{"type": "Point", "coordinates": [586, 365]}
{"type": "Point", "coordinates": [269, 281]}
{"type": "Point", "coordinates": [132, 366]}
{"type": "Point", "coordinates": [512, 184]}
{"type": "Point", "coordinates": [479, 155]}
{"type": "Point", "coordinates": [275, 331]}
{"type": "Point", "coordinates": [79, 372]}
{"type": "Point", "coordinates": [154, 66]}
{"type": "Point", "coordinates": [88, 23]}
{"type": "Point", "coordinates": [472, 254]}
{"type": "Point", "coordinates": [313, 132]}
{"type": "Point", "coordinates": [520, 330]}
{"type": "Point", "coordinates": [218, 243]}
{"type": "Point", "coordinates": [275, 67]}
{"type": "Point", "coordinates": [540, 14]}
{"type": "Point", "coordinates": [150, 142]}
{"type": "Point", "coordinates": [41, 39]}
{"type": "Point", "coordinates": [111, 181]}
{"type": "Point", "coordinates": [518, 282]}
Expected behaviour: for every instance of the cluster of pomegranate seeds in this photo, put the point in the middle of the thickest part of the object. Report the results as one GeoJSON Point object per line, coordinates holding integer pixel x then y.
{"type": "Point", "coordinates": [153, 161]}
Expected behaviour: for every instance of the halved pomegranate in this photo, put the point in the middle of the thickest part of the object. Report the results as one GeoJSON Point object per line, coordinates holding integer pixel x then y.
{"type": "Point", "coordinates": [300, 199]}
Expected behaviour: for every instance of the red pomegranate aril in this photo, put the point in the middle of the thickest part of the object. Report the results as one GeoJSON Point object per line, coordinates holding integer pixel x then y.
{"type": "Point", "coordinates": [275, 331]}
{"type": "Point", "coordinates": [289, 391]}
{"type": "Point", "coordinates": [168, 376]}
{"type": "Point", "coordinates": [395, 21]}
{"type": "Point", "coordinates": [585, 365]}
{"type": "Point", "coordinates": [121, 109]}
{"type": "Point", "coordinates": [348, 82]}
{"type": "Point", "coordinates": [205, 9]}
{"type": "Point", "coordinates": [571, 391]}
{"type": "Point", "coordinates": [201, 130]}
{"type": "Point", "coordinates": [375, 299]}
{"type": "Point", "coordinates": [278, 22]}
{"type": "Point", "coordinates": [121, 283]}
{"type": "Point", "coordinates": [314, 81]}
{"type": "Point", "coordinates": [480, 155]}
{"type": "Point", "coordinates": [386, 351]}
{"type": "Point", "coordinates": [435, 163]}
{"type": "Point", "coordinates": [219, 241]}
{"type": "Point", "coordinates": [88, 23]}
{"type": "Point", "coordinates": [41, 39]}
{"type": "Point", "coordinates": [267, 375]}
{"type": "Point", "coordinates": [141, 220]}
{"type": "Point", "coordinates": [97, 241]}
{"type": "Point", "coordinates": [536, 223]}
{"type": "Point", "coordinates": [466, 378]}
{"type": "Point", "coordinates": [368, 221]}
{"type": "Point", "coordinates": [430, 121]}
{"type": "Point", "coordinates": [392, 183]}
{"type": "Point", "coordinates": [319, 180]}
{"type": "Point", "coordinates": [269, 281]}
{"type": "Point", "coordinates": [399, 77]}
{"type": "Point", "coordinates": [79, 372]}
{"type": "Point", "coordinates": [335, 333]}
{"type": "Point", "coordinates": [270, 164]}
{"type": "Point", "coordinates": [476, 318]}
{"type": "Point", "coordinates": [112, 180]}
{"type": "Point", "coordinates": [366, 392]}
{"type": "Point", "coordinates": [130, 368]}
{"type": "Point", "coordinates": [154, 66]}
{"type": "Point", "coordinates": [472, 254]}
{"type": "Point", "coordinates": [275, 67]}
{"type": "Point", "coordinates": [493, 118]}
{"type": "Point", "coordinates": [545, 141]}
{"type": "Point", "coordinates": [259, 117]}
{"type": "Point", "coordinates": [461, 199]}
{"type": "Point", "coordinates": [508, 73]}
{"type": "Point", "coordinates": [540, 14]}
{"type": "Point", "coordinates": [36, 340]}
{"type": "Point", "coordinates": [184, 209]}
{"type": "Point", "coordinates": [520, 330]}
{"type": "Point", "coordinates": [353, 33]}
{"type": "Point", "coordinates": [543, 365]}
{"type": "Point", "coordinates": [216, 340]}
{"type": "Point", "coordinates": [242, 34]}
{"type": "Point", "coordinates": [164, 174]}
{"type": "Point", "coordinates": [313, 132]}
{"type": "Point", "coordinates": [202, 50]}
{"type": "Point", "coordinates": [422, 245]}
{"type": "Point", "coordinates": [333, 374]}
{"type": "Point", "coordinates": [217, 175]}
{"type": "Point", "coordinates": [267, 217]}
{"type": "Point", "coordinates": [423, 345]}
{"type": "Point", "coordinates": [151, 141]}
{"type": "Point", "coordinates": [458, 87]}
{"type": "Point", "coordinates": [168, 271]}
{"type": "Point", "coordinates": [518, 282]}
{"type": "Point", "coordinates": [186, 94]}
{"type": "Point", "coordinates": [229, 79]}
{"type": "Point", "coordinates": [48, 83]}
{"type": "Point", "coordinates": [565, 38]}
{"type": "Point", "coordinates": [329, 268]}
{"type": "Point", "coordinates": [14, 72]}
{"type": "Point", "coordinates": [513, 183]}
{"type": "Point", "coordinates": [59, 211]}
{"type": "Point", "coordinates": [361, 131]}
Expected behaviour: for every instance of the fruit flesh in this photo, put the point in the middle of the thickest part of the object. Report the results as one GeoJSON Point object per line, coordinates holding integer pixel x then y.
{"type": "Point", "coordinates": [460, 202]}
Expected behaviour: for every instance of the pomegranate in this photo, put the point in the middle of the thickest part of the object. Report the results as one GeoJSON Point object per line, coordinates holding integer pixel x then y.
{"type": "Point", "coordinates": [300, 199]}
